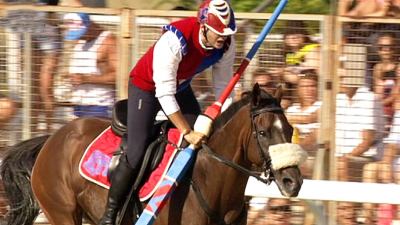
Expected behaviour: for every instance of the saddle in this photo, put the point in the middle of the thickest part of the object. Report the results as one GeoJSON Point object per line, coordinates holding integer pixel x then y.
{"type": "Point", "coordinates": [154, 151]}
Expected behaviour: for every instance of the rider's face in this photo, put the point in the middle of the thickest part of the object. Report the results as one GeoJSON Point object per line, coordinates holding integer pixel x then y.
{"type": "Point", "coordinates": [215, 40]}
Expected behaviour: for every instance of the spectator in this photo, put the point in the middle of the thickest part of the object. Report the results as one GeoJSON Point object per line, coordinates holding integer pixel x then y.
{"type": "Point", "coordinates": [48, 53]}
{"type": "Point", "coordinates": [366, 35]}
{"type": "Point", "coordinates": [359, 126]}
{"type": "Point", "coordinates": [384, 171]}
{"type": "Point", "coordinates": [363, 8]}
{"type": "Point", "coordinates": [264, 80]}
{"type": "Point", "coordinates": [92, 68]}
{"type": "Point", "coordinates": [394, 9]}
{"type": "Point", "coordinates": [7, 110]}
{"type": "Point", "coordinates": [45, 46]}
{"type": "Point", "coordinates": [346, 213]}
{"type": "Point", "coordinates": [392, 149]}
{"type": "Point", "coordinates": [384, 71]}
{"type": "Point", "coordinates": [278, 212]}
{"type": "Point", "coordinates": [304, 116]}
{"type": "Point", "coordinates": [359, 133]}
{"type": "Point", "coordinates": [301, 53]}
{"type": "Point", "coordinates": [384, 74]}
{"type": "Point", "coordinates": [272, 211]}
{"type": "Point", "coordinates": [269, 82]}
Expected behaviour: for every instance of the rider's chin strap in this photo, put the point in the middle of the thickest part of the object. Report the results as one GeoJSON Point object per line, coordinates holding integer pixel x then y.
{"type": "Point", "coordinates": [285, 155]}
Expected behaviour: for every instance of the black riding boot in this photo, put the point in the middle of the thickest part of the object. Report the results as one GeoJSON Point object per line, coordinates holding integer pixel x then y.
{"type": "Point", "coordinates": [121, 182]}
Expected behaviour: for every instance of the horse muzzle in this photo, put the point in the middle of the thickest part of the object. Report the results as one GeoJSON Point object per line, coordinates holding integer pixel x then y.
{"type": "Point", "coordinates": [289, 181]}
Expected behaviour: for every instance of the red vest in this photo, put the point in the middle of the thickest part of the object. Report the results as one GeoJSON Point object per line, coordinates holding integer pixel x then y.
{"type": "Point", "coordinates": [194, 61]}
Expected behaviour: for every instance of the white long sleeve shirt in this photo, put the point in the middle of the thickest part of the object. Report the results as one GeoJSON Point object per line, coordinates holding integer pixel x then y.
{"type": "Point", "coordinates": [166, 58]}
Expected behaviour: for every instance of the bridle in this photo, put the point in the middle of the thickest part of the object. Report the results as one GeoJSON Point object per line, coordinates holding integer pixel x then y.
{"type": "Point", "coordinates": [275, 108]}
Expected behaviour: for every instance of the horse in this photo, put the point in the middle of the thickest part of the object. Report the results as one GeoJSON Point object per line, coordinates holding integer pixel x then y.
{"type": "Point", "coordinates": [243, 138]}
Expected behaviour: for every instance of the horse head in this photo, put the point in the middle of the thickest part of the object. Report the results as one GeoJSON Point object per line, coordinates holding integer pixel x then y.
{"type": "Point", "coordinates": [270, 147]}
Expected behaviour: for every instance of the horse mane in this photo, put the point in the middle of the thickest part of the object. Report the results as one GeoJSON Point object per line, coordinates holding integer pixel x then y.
{"type": "Point", "coordinates": [247, 96]}
{"type": "Point", "coordinates": [20, 158]}
{"type": "Point", "coordinates": [226, 115]}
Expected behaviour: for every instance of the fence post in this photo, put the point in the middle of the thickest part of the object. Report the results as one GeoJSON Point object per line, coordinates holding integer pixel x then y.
{"type": "Point", "coordinates": [124, 52]}
{"type": "Point", "coordinates": [329, 85]}
{"type": "Point", "coordinates": [27, 83]}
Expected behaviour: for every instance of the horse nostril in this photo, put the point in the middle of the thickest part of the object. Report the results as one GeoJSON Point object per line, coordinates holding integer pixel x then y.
{"type": "Point", "coordinates": [288, 182]}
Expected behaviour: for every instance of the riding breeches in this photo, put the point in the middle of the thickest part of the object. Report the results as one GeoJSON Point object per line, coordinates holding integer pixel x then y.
{"type": "Point", "coordinates": [142, 110]}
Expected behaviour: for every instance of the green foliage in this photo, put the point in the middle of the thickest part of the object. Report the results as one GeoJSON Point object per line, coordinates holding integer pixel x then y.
{"type": "Point", "coordinates": [189, 4]}
{"type": "Point", "coordinates": [293, 6]}
{"type": "Point", "coordinates": [244, 5]}
{"type": "Point", "coordinates": [304, 7]}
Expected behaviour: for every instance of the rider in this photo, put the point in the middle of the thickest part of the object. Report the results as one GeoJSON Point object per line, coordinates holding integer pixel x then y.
{"type": "Point", "coordinates": [161, 80]}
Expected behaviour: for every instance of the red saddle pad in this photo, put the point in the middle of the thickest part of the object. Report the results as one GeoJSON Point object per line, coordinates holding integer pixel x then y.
{"type": "Point", "coordinates": [97, 157]}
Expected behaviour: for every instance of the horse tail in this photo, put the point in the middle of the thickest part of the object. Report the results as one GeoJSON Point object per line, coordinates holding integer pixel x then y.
{"type": "Point", "coordinates": [15, 171]}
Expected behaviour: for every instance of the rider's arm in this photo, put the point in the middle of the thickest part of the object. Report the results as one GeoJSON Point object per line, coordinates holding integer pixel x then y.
{"type": "Point", "coordinates": [166, 58]}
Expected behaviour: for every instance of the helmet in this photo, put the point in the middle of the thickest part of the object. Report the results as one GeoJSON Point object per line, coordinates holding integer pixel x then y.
{"type": "Point", "coordinates": [217, 16]}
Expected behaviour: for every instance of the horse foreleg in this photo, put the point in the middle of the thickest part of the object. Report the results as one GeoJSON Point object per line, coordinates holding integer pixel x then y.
{"type": "Point", "coordinates": [55, 197]}
{"type": "Point", "coordinates": [62, 218]}
{"type": "Point", "coordinates": [60, 210]}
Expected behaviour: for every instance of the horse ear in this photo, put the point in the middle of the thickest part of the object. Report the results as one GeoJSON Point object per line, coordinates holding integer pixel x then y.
{"type": "Point", "coordinates": [278, 93]}
{"type": "Point", "coordinates": [256, 94]}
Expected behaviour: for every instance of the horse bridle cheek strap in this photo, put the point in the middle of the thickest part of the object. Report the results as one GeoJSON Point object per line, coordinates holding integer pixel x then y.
{"type": "Point", "coordinates": [264, 155]}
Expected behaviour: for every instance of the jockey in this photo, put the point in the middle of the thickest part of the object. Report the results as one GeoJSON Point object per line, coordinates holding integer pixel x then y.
{"type": "Point", "coordinates": [161, 80]}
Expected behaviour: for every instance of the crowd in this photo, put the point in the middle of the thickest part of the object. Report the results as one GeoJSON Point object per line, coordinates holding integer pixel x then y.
{"type": "Point", "coordinates": [70, 49]}
{"type": "Point", "coordinates": [369, 8]}
{"type": "Point", "coordinates": [367, 113]}
{"type": "Point", "coordinates": [367, 118]}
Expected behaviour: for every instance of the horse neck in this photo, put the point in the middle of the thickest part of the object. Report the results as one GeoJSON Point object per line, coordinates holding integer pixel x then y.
{"type": "Point", "coordinates": [230, 140]}
{"type": "Point", "coordinates": [225, 186]}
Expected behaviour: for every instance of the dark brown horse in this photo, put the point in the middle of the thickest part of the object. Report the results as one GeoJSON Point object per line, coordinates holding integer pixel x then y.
{"type": "Point", "coordinates": [213, 193]}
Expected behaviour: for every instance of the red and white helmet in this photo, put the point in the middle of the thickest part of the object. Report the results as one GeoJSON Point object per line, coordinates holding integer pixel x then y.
{"type": "Point", "coordinates": [217, 16]}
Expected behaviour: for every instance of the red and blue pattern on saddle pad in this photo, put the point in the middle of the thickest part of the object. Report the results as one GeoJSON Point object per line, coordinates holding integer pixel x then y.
{"type": "Point", "coordinates": [97, 157]}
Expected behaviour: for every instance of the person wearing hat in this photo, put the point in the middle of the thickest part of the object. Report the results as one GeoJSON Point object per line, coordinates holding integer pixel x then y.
{"type": "Point", "coordinates": [92, 66]}
{"type": "Point", "coordinates": [161, 80]}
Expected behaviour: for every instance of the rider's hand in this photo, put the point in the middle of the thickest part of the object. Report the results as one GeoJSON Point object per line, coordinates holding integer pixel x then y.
{"type": "Point", "coordinates": [195, 138]}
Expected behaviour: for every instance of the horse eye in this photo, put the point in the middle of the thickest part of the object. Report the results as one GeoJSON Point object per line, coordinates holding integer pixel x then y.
{"type": "Point", "coordinates": [262, 133]}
